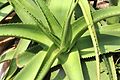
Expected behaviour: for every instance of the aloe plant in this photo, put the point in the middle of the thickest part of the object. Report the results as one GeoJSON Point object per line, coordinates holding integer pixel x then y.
{"type": "Point", "coordinates": [78, 44]}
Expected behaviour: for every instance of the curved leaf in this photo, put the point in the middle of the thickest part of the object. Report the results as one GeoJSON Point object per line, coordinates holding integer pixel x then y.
{"type": "Point", "coordinates": [36, 16]}
{"type": "Point", "coordinates": [79, 26]}
{"type": "Point", "coordinates": [24, 31]}
{"type": "Point", "coordinates": [88, 18]}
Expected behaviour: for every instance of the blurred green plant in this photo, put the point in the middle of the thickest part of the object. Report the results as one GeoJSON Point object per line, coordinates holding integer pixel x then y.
{"type": "Point", "coordinates": [74, 41]}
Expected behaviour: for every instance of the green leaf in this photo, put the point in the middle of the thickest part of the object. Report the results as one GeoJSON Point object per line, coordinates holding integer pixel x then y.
{"type": "Point", "coordinates": [60, 9]}
{"type": "Point", "coordinates": [88, 18]}
{"type": "Point", "coordinates": [79, 27]}
{"type": "Point", "coordinates": [27, 72]}
{"type": "Point", "coordinates": [89, 67]}
{"type": "Point", "coordinates": [32, 9]}
{"type": "Point", "coordinates": [5, 11]}
{"type": "Point", "coordinates": [112, 20]}
{"type": "Point", "coordinates": [52, 21]}
{"type": "Point", "coordinates": [89, 70]}
{"type": "Point", "coordinates": [38, 20]}
{"type": "Point", "coordinates": [49, 59]}
{"type": "Point", "coordinates": [112, 66]}
{"type": "Point", "coordinates": [67, 29]}
{"type": "Point", "coordinates": [23, 59]}
{"type": "Point", "coordinates": [109, 39]}
{"type": "Point", "coordinates": [22, 46]}
{"type": "Point", "coordinates": [23, 15]}
{"type": "Point", "coordinates": [72, 65]}
{"type": "Point", "coordinates": [24, 31]}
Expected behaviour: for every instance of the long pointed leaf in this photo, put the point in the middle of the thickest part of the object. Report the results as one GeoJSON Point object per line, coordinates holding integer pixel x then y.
{"type": "Point", "coordinates": [67, 29]}
{"type": "Point", "coordinates": [52, 21]}
{"type": "Point", "coordinates": [24, 31]}
{"type": "Point", "coordinates": [50, 57]}
{"type": "Point", "coordinates": [88, 18]}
